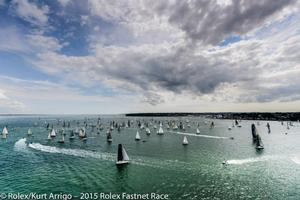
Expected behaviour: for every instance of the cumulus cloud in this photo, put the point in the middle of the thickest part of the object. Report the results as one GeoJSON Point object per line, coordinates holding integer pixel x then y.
{"type": "Point", "coordinates": [174, 50]}
{"type": "Point", "coordinates": [30, 12]}
{"type": "Point", "coordinates": [210, 22]}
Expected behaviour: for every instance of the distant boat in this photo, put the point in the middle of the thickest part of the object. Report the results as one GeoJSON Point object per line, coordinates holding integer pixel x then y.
{"type": "Point", "coordinates": [197, 131]}
{"type": "Point", "coordinates": [49, 136]}
{"type": "Point", "coordinates": [259, 144]}
{"type": "Point", "coordinates": [72, 135]}
{"type": "Point", "coordinates": [53, 133]}
{"type": "Point", "coordinates": [148, 132]}
{"type": "Point", "coordinates": [109, 137]}
{"type": "Point", "coordinates": [254, 132]}
{"type": "Point", "coordinates": [229, 128]}
{"type": "Point", "coordinates": [175, 127]}
{"type": "Point", "coordinates": [29, 132]}
{"type": "Point", "coordinates": [122, 157]}
{"type": "Point", "coordinates": [160, 131]}
{"type": "Point", "coordinates": [137, 136]}
{"type": "Point", "coordinates": [185, 141]}
{"type": "Point", "coordinates": [82, 133]}
{"type": "Point", "coordinates": [4, 132]}
{"type": "Point", "coordinates": [62, 139]}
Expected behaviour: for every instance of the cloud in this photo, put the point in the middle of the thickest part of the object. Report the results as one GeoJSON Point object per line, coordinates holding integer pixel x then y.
{"type": "Point", "coordinates": [210, 22]}
{"type": "Point", "coordinates": [43, 43]}
{"type": "Point", "coordinates": [37, 15]}
{"type": "Point", "coordinates": [12, 40]}
{"type": "Point", "coordinates": [64, 2]}
{"type": "Point", "coordinates": [234, 73]}
{"type": "Point", "coordinates": [8, 103]}
{"type": "Point", "coordinates": [31, 96]}
{"type": "Point", "coordinates": [168, 50]}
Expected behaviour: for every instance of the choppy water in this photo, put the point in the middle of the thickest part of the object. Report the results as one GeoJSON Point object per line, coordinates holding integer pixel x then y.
{"type": "Point", "coordinates": [161, 164]}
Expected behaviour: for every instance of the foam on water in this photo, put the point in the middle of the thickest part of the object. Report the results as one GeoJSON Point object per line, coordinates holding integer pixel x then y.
{"type": "Point", "coordinates": [20, 145]}
{"type": "Point", "coordinates": [251, 160]}
{"type": "Point", "coordinates": [139, 160]}
{"type": "Point", "coordinates": [201, 135]}
{"type": "Point", "coordinates": [295, 159]}
{"type": "Point", "coordinates": [72, 152]}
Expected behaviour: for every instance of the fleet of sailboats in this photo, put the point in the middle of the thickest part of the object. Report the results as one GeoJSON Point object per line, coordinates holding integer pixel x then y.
{"type": "Point", "coordinates": [143, 127]}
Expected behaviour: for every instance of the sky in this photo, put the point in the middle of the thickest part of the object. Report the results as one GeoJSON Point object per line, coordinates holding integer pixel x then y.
{"type": "Point", "coordinates": [114, 56]}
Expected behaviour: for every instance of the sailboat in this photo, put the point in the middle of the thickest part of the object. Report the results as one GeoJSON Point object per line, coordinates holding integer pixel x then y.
{"type": "Point", "coordinates": [185, 141]}
{"type": "Point", "coordinates": [175, 127]}
{"type": "Point", "coordinates": [62, 138]}
{"type": "Point", "coordinates": [109, 137]}
{"type": "Point", "coordinates": [254, 132]}
{"type": "Point", "coordinates": [4, 132]}
{"type": "Point", "coordinates": [53, 133]}
{"type": "Point", "coordinates": [72, 135]}
{"type": "Point", "coordinates": [160, 130]}
{"type": "Point", "coordinates": [137, 136]}
{"type": "Point", "coordinates": [49, 136]}
{"type": "Point", "coordinates": [29, 132]}
{"type": "Point", "coordinates": [122, 157]}
{"type": "Point", "coordinates": [259, 144]}
{"type": "Point", "coordinates": [197, 131]}
{"type": "Point", "coordinates": [82, 133]}
{"type": "Point", "coordinates": [148, 132]}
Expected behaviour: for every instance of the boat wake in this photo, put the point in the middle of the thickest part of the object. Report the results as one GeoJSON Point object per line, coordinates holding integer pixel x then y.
{"type": "Point", "coordinates": [251, 160]}
{"type": "Point", "coordinates": [200, 135]}
{"type": "Point", "coordinates": [20, 145]}
{"type": "Point", "coordinates": [72, 152]}
{"type": "Point", "coordinates": [295, 159]}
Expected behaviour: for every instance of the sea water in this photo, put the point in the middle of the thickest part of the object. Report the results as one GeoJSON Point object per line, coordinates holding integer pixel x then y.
{"type": "Point", "coordinates": [160, 166]}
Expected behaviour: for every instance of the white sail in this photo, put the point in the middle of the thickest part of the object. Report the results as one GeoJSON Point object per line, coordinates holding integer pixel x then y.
{"type": "Point", "coordinates": [29, 132]}
{"type": "Point", "coordinates": [125, 156]}
{"type": "Point", "coordinates": [4, 131]}
{"type": "Point", "coordinates": [49, 136]}
{"type": "Point", "coordinates": [81, 133]}
{"type": "Point", "coordinates": [148, 131]}
{"type": "Point", "coordinates": [160, 130]}
{"type": "Point", "coordinates": [197, 131]}
{"type": "Point", "coordinates": [137, 136]}
{"type": "Point", "coordinates": [175, 127]}
{"type": "Point", "coordinates": [53, 133]}
{"type": "Point", "coordinates": [185, 141]}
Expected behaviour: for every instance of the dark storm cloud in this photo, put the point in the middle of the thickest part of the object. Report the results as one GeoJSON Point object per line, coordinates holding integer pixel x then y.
{"type": "Point", "coordinates": [177, 72]}
{"type": "Point", "coordinates": [210, 22]}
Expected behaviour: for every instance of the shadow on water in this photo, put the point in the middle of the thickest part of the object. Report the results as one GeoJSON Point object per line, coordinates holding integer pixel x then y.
{"type": "Point", "coordinates": [259, 151]}
{"type": "Point", "coordinates": [122, 177]}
